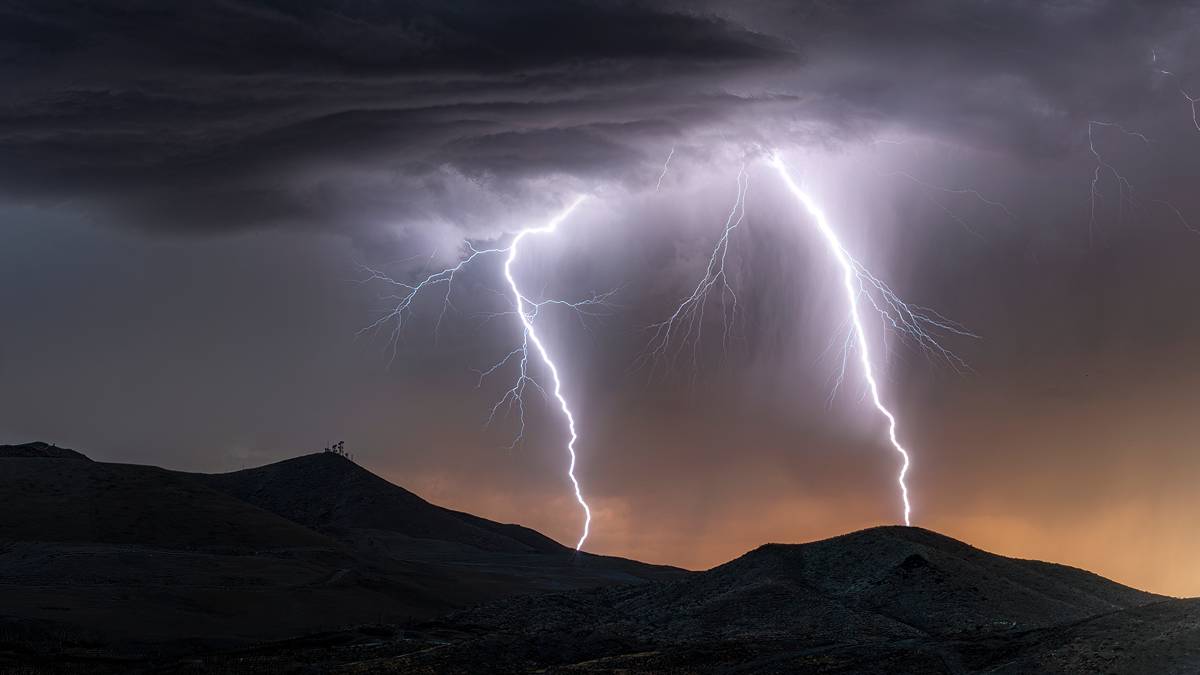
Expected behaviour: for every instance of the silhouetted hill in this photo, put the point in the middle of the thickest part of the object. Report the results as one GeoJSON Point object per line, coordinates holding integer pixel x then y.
{"type": "Point", "coordinates": [65, 500]}
{"type": "Point", "coordinates": [327, 492]}
{"type": "Point", "coordinates": [137, 561]}
{"type": "Point", "coordinates": [884, 600]}
{"type": "Point", "coordinates": [376, 518]}
{"type": "Point", "coordinates": [118, 568]}
{"type": "Point", "coordinates": [927, 581]}
{"type": "Point", "coordinates": [39, 449]}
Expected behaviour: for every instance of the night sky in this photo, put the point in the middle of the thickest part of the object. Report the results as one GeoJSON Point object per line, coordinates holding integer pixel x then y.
{"type": "Point", "coordinates": [189, 195]}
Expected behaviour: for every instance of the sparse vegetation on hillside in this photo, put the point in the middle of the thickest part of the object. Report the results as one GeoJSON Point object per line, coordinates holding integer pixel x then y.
{"type": "Point", "coordinates": [339, 449]}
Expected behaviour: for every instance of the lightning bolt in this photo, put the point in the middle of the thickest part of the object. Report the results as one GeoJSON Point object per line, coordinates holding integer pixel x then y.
{"type": "Point", "coordinates": [1192, 100]}
{"type": "Point", "coordinates": [408, 293]}
{"type": "Point", "coordinates": [687, 321]}
{"type": "Point", "coordinates": [531, 336]}
{"type": "Point", "coordinates": [1178, 215]}
{"type": "Point", "coordinates": [918, 325]}
{"type": "Point", "coordinates": [1125, 192]}
{"type": "Point", "coordinates": [852, 283]}
{"type": "Point", "coordinates": [931, 188]}
{"type": "Point", "coordinates": [1124, 187]}
{"type": "Point", "coordinates": [526, 309]}
{"type": "Point", "coordinates": [666, 164]}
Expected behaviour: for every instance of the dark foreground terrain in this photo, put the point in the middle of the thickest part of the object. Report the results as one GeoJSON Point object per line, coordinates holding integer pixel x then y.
{"type": "Point", "coordinates": [315, 565]}
{"type": "Point", "coordinates": [124, 564]}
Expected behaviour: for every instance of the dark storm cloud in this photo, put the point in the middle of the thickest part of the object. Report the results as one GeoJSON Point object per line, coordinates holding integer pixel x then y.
{"type": "Point", "coordinates": [224, 115]}
{"type": "Point", "coordinates": [1016, 76]}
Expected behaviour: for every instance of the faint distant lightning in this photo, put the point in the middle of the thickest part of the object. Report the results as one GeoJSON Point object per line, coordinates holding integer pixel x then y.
{"type": "Point", "coordinates": [666, 164]}
{"type": "Point", "coordinates": [1194, 105]}
{"type": "Point", "coordinates": [1124, 187]}
{"type": "Point", "coordinates": [526, 310]}
{"type": "Point", "coordinates": [1192, 100]}
{"type": "Point", "coordinates": [409, 293]}
{"type": "Point", "coordinates": [1125, 191]}
{"type": "Point", "coordinates": [688, 316]}
{"type": "Point", "coordinates": [970, 192]}
{"type": "Point", "coordinates": [954, 191]}
{"type": "Point", "coordinates": [852, 282]}
{"type": "Point", "coordinates": [1178, 215]}
{"type": "Point", "coordinates": [1154, 60]}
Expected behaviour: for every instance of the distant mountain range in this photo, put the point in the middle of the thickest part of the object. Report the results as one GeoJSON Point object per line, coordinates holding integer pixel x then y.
{"type": "Point", "coordinates": [316, 565]}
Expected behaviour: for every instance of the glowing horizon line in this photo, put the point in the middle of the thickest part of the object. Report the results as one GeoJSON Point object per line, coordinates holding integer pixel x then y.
{"type": "Point", "coordinates": [849, 277]}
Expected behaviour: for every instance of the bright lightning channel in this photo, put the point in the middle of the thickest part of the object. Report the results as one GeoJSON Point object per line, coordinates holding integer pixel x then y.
{"type": "Point", "coordinates": [917, 325]}
{"type": "Point", "coordinates": [527, 322]}
{"type": "Point", "coordinates": [852, 284]}
{"type": "Point", "coordinates": [526, 310]}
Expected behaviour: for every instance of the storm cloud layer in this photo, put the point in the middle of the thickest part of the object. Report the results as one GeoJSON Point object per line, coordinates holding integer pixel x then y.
{"type": "Point", "coordinates": [186, 193]}
{"type": "Point", "coordinates": [223, 116]}
{"type": "Point", "coordinates": [236, 115]}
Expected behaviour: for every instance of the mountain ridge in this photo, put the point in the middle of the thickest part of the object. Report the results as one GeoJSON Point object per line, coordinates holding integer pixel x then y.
{"type": "Point", "coordinates": [886, 599]}
{"type": "Point", "coordinates": [152, 562]}
{"type": "Point", "coordinates": [103, 561]}
{"type": "Point", "coordinates": [325, 491]}
{"type": "Point", "coordinates": [38, 449]}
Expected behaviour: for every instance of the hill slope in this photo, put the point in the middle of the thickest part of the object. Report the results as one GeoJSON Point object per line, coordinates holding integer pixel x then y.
{"type": "Point", "coordinates": [884, 600]}
{"type": "Point", "coordinates": [327, 492]}
{"type": "Point", "coordinates": [67, 500]}
{"type": "Point", "coordinates": [930, 582]}
{"type": "Point", "coordinates": [101, 561]}
{"type": "Point", "coordinates": [143, 560]}
{"type": "Point", "coordinates": [39, 449]}
{"type": "Point", "coordinates": [376, 518]}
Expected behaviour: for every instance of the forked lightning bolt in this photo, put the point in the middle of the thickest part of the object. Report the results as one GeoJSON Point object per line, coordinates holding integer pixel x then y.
{"type": "Point", "coordinates": [531, 335]}
{"type": "Point", "coordinates": [526, 309]}
{"type": "Point", "coordinates": [919, 325]}
{"type": "Point", "coordinates": [853, 275]}
{"type": "Point", "coordinates": [687, 321]}
{"type": "Point", "coordinates": [1193, 101]}
{"type": "Point", "coordinates": [1125, 192]}
{"type": "Point", "coordinates": [1124, 187]}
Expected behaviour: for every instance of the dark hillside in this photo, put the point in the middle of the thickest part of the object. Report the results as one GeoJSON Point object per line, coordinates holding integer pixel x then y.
{"type": "Point", "coordinates": [330, 493]}
{"type": "Point", "coordinates": [66, 500]}
{"type": "Point", "coordinates": [39, 449]}
{"type": "Point", "coordinates": [887, 599]}
{"type": "Point", "coordinates": [137, 561]}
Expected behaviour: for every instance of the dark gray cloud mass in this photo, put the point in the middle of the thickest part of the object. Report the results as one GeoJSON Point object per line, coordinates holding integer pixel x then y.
{"type": "Point", "coordinates": [185, 189]}
{"type": "Point", "coordinates": [219, 116]}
